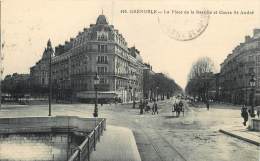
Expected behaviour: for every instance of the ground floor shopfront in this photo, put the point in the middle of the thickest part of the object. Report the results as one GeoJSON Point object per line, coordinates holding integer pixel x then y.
{"type": "Point", "coordinates": [241, 96]}
{"type": "Point", "coordinates": [120, 96]}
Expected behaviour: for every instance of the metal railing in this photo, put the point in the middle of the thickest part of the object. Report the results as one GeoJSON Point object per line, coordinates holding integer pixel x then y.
{"type": "Point", "coordinates": [83, 151]}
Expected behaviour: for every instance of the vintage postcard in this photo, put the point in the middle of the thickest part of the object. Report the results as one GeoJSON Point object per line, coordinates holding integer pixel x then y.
{"type": "Point", "coordinates": [129, 80]}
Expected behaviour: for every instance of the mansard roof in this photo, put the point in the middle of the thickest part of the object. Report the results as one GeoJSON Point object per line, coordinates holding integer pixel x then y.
{"type": "Point", "coordinates": [101, 20]}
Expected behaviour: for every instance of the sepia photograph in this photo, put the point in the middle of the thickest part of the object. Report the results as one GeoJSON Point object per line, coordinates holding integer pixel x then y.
{"type": "Point", "coordinates": [129, 80]}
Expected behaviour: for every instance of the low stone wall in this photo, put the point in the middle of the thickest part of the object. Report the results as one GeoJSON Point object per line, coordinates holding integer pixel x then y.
{"type": "Point", "coordinates": [255, 124]}
{"type": "Point", "coordinates": [35, 147]}
{"type": "Point", "coordinates": [56, 138]}
{"type": "Point", "coordinates": [47, 124]}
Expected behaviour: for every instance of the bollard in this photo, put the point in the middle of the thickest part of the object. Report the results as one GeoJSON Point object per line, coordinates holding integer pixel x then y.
{"type": "Point", "coordinates": [95, 139]}
{"type": "Point", "coordinates": [79, 154]}
{"type": "Point", "coordinates": [88, 149]}
{"type": "Point", "coordinates": [98, 133]}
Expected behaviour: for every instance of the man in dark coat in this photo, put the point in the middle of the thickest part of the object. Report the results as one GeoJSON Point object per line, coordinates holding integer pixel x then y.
{"type": "Point", "coordinates": [155, 108]}
{"type": "Point", "coordinates": [141, 106]}
{"type": "Point", "coordinates": [244, 114]}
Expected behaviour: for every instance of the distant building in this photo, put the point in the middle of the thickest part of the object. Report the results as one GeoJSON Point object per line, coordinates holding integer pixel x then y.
{"type": "Point", "coordinates": [98, 49]}
{"type": "Point", "coordinates": [39, 72]}
{"type": "Point", "coordinates": [213, 87]}
{"type": "Point", "coordinates": [16, 84]}
{"type": "Point", "coordinates": [17, 78]}
{"type": "Point", "coordinates": [238, 68]}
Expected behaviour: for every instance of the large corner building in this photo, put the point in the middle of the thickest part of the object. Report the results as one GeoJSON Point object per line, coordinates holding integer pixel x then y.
{"type": "Point", "coordinates": [98, 49]}
{"type": "Point", "coordinates": [240, 66]}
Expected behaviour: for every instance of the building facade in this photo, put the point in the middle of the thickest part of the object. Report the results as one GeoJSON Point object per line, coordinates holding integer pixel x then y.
{"type": "Point", "coordinates": [39, 72]}
{"type": "Point", "coordinates": [98, 49]}
{"type": "Point", "coordinates": [241, 66]}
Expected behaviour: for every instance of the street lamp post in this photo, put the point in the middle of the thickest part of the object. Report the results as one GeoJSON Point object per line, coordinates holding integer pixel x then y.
{"type": "Point", "coordinates": [133, 97]}
{"type": "Point", "coordinates": [252, 83]}
{"type": "Point", "coordinates": [133, 79]}
{"type": "Point", "coordinates": [219, 94]}
{"type": "Point", "coordinates": [96, 82]}
{"type": "Point", "coordinates": [50, 51]}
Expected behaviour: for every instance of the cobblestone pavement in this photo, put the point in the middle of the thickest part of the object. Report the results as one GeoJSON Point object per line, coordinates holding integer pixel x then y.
{"type": "Point", "coordinates": [164, 137]}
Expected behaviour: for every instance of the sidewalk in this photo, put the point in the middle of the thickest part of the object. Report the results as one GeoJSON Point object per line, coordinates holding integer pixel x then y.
{"type": "Point", "coordinates": [117, 144]}
{"type": "Point", "coordinates": [252, 137]}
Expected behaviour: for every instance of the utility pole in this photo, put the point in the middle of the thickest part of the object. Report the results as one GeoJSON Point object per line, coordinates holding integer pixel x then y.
{"type": "Point", "coordinates": [96, 83]}
{"type": "Point", "coordinates": [1, 58]}
{"type": "Point", "coordinates": [50, 52]}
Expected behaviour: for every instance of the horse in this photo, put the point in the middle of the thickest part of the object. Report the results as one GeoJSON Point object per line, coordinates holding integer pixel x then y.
{"type": "Point", "coordinates": [178, 108]}
{"type": "Point", "coordinates": [147, 108]}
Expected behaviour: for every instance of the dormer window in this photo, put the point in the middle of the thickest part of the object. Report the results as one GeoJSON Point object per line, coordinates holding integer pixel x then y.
{"type": "Point", "coordinates": [102, 35]}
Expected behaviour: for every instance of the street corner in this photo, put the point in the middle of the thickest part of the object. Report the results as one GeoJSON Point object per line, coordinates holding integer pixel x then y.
{"type": "Point", "coordinates": [243, 134]}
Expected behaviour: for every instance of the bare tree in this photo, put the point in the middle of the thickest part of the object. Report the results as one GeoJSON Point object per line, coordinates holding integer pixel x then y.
{"type": "Point", "coordinates": [198, 78]}
{"type": "Point", "coordinates": [200, 67]}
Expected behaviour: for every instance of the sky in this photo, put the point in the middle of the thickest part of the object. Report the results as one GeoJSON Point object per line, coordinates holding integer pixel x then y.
{"type": "Point", "coordinates": [27, 25]}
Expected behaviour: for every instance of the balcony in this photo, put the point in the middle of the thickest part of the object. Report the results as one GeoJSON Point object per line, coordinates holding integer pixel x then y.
{"type": "Point", "coordinates": [103, 87]}
{"type": "Point", "coordinates": [251, 62]}
{"type": "Point", "coordinates": [101, 74]}
{"type": "Point", "coordinates": [104, 62]}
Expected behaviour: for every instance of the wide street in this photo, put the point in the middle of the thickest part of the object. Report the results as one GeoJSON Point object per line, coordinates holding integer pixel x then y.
{"type": "Point", "coordinates": [164, 137]}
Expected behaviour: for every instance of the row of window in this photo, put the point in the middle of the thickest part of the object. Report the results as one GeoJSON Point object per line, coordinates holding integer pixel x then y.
{"type": "Point", "coordinates": [102, 48]}
{"type": "Point", "coordinates": [120, 50]}
{"type": "Point", "coordinates": [121, 83]}
{"type": "Point", "coordinates": [251, 58]}
{"type": "Point", "coordinates": [258, 58]}
{"type": "Point", "coordinates": [78, 63]}
{"type": "Point", "coordinates": [79, 70]}
{"type": "Point", "coordinates": [80, 84]}
{"type": "Point", "coordinates": [103, 81]}
{"type": "Point", "coordinates": [120, 40]}
{"type": "Point", "coordinates": [91, 47]}
{"type": "Point", "coordinates": [102, 36]}
{"type": "Point", "coordinates": [81, 39]}
{"type": "Point", "coordinates": [102, 59]}
{"type": "Point", "coordinates": [102, 70]}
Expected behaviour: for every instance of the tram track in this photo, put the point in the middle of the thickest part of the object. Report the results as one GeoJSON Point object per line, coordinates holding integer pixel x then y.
{"type": "Point", "coordinates": [162, 155]}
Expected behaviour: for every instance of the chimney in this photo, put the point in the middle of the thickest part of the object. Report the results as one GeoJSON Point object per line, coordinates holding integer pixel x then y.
{"type": "Point", "coordinates": [247, 38]}
{"type": "Point", "coordinates": [256, 33]}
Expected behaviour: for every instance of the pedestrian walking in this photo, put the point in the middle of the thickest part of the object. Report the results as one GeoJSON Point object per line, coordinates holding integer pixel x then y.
{"type": "Point", "coordinates": [147, 107]}
{"type": "Point", "coordinates": [183, 108]}
{"type": "Point", "coordinates": [244, 114]}
{"type": "Point", "coordinates": [155, 108]}
{"type": "Point", "coordinates": [141, 106]}
{"type": "Point", "coordinates": [207, 104]}
{"type": "Point", "coordinates": [258, 112]}
{"type": "Point", "coordinates": [174, 108]}
{"type": "Point", "coordinates": [180, 106]}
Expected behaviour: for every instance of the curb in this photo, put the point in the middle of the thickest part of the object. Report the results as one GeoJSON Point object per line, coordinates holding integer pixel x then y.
{"type": "Point", "coordinates": [240, 137]}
